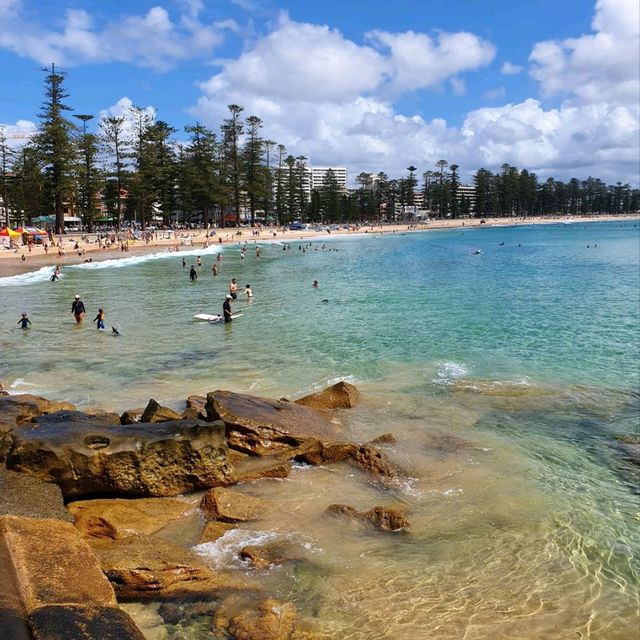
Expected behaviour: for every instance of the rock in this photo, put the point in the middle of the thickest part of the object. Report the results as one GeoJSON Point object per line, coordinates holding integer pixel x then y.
{"type": "Point", "coordinates": [381, 518]}
{"type": "Point", "coordinates": [98, 419]}
{"type": "Point", "coordinates": [22, 495]}
{"type": "Point", "coordinates": [13, 617]}
{"type": "Point", "coordinates": [20, 409]}
{"type": "Point", "coordinates": [157, 413]}
{"type": "Point", "coordinates": [185, 613]}
{"type": "Point", "coordinates": [315, 452]}
{"type": "Point", "coordinates": [119, 518]}
{"type": "Point", "coordinates": [385, 438]}
{"type": "Point", "coordinates": [199, 403]}
{"type": "Point", "coordinates": [52, 564]}
{"type": "Point", "coordinates": [213, 530]}
{"type": "Point", "coordinates": [338, 396]}
{"type": "Point", "coordinates": [69, 622]}
{"type": "Point", "coordinates": [149, 568]}
{"type": "Point", "coordinates": [142, 461]}
{"type": "Point", "coordinates": [629, 447]}
{"type": "Point", "coordinates": [265, 427]}
{"type": "Point", "coordinates": [231, 506]}
{"type": "Point", "coordinates": [278, 552]}
{"type": "Point", "coordinates": [270, 620]}
{"type": "Point", "coordinates": [190, 414]}
{"type": "Point", "coordinates": [132, 416]}
{"type": "Point", "coordinates": [252, 468]}
{"type": "Point", "coordinates": [378, 465]}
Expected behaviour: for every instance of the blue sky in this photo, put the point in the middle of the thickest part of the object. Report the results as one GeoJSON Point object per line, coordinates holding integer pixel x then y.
{"type": "Point", "coordinates": [371, 85]}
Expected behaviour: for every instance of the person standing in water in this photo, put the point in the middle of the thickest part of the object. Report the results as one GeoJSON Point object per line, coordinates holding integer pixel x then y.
{"type": "Point", "coordinates": [315, 284]}
{"type": "Point", "coordinates": [78, 310]}
{"type": "Point", "coordinates": [226, 308]}
{"type": "Point", "coordinates": [99, 319]}
{"type": "Point", "coordinates": [199, 261]}
{"type": "Point", "coordinates": [193, 274]}
{"type": "Point", "coordinates": [233, 288]}
{"type": "Point", "coordinates": [56, 274]}
{"type": "Point", "coordinates": [24, 322]}
{"type": "Point", "coordinates": [184, 263]}
{"type": "Point", "coordinates": [214, 269]}
{"type": "Point", "coordinates": [248, 292]}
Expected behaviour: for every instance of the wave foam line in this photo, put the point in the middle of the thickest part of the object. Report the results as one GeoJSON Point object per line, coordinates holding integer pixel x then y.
{"type": "Point", "coordinates": [31, 277]}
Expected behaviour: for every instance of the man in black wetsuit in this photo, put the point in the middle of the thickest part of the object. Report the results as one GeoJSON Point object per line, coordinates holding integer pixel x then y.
{"type": "Point", "coordinates": [193, 274]}
{"type": "Point", "coordinates": [226, 308]}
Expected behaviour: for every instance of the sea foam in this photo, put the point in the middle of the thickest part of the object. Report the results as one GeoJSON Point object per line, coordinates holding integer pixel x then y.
{"type": "Point", "coordinates": [31, 277]}
{"type": "Point", "coordinates": [449, 371]}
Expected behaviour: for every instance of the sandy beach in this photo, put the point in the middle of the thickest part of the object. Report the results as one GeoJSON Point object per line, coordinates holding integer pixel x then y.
{"type": "Point", "coordinates": [12, 263]}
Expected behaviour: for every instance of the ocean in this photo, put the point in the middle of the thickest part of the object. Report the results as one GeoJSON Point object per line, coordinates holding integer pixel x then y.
{"type": "Point", "coordinates": [510, 379]}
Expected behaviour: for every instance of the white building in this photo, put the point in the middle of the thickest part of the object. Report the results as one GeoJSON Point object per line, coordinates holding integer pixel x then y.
{"type": "Point", "coordinates": [317, 176]}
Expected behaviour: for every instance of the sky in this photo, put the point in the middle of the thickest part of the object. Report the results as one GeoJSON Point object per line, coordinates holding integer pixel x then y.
{"type": "Point", "coordinates": [552, 86]}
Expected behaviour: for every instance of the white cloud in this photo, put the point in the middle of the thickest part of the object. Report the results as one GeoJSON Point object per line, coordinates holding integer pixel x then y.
{"type": "Point", "coordinates": [418, 60]}
{"type": "Point", "coordinates": [152, 40]}
{"type": "Point", "coordinates": [592, 68]}
{"type": "Point", "coordinates": [123, 109]}
{"type": "Point", "coordinates": [18, 134]}
{"type": "Point", "coordinates": [495, 94]}
{"type": "Point", "coordinates": [509, 69]}
{"type": "Point", "coordinates": [459, 87]}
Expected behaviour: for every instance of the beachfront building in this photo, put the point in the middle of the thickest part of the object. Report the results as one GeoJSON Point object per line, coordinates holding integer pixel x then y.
{"type": "Point", "coordinates": [317, 176]}
{"type": "Point", "coordinates": [467, 192]}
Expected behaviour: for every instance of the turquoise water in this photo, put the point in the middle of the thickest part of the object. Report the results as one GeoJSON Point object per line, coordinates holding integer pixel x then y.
{"type": "Point", "coordinates": [508, 378]}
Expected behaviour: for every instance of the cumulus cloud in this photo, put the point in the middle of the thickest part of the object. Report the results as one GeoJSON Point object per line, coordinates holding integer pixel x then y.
{"type": "Point", "coordinates": [509, 69]}
{"type": "Point", "coordinates": [19, 133]}
{"type": "Point", "coordinates": [417, 60]}
{"type": "Point", "coordinates": [342, 112]}
{"type": "Point", "coordinates": [151, 40]}
{"type": "Point", "coordinates": [604, 66]}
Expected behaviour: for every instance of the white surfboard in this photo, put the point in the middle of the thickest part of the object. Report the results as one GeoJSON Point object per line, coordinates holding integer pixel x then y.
{"type": "Point", "coordinates": [205, 317]}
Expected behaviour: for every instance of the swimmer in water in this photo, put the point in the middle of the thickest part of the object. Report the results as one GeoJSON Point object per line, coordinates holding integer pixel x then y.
{"type": "Point", "coordinates": [315, 284]}
{"type": "Point", "coordinates": [24, 322]}
{"type": "Point", "coordinates": [99, 319]}
{"type": "Point", "coordinates": [248, 292]}
{"type": "Point", "coordinates": [193, 274]}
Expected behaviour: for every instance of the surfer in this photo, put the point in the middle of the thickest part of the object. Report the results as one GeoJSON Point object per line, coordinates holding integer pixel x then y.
{"type": "Point", "coordinates": [233, 288]}
{"type": "Point", "coordinates": [226, 308]}
{"type": "Point", "coordinates": [55, 275]}
{"type": "Point", "coordinates": [99, 319]}
{"type": "Point", "coordinates": [24, 322]}
{"type": "Point", "coordinates": [193, 274]}
{"type": "Point", "coordinates": [78, 310]}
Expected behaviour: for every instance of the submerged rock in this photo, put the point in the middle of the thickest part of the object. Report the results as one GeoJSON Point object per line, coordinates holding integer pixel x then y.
{"type": "Point", "coordinates": [232, 506]}
{"type": "Point", "coordinates": [142, 461]}
{"type": "Point", "coordinates": [341, 395]}
{"type": "Point", "coordinates": [264, 427]}
{"type": "Point", "coordinates": [155, 412]}
{"type": "Point", "coordinates": [121, 518]}
{"type": "Point", "coordinates": [380, 518]}
{"type": "Point", "coordinates": [269, 620]}
{"type": "Point", "coordinates": [278, 552]}
{"type": "Point", "coordinates": [378, 465]}
{"type": "Point", "coordinates": [149, 568]}
{"type": "Point", "coordinates": [214, 529]}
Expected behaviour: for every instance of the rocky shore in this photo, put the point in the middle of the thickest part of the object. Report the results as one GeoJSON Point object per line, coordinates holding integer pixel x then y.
{"type": "Point", "coordinates": [85, 498]}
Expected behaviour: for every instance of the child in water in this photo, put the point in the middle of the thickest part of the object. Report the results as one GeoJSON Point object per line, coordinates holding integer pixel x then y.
{"type": "Point", "coordinates": [248, 292]}
{"type": "Point", "coordinates": [99, 319]}
{"type": "Point", "coordinates": [24, 322]}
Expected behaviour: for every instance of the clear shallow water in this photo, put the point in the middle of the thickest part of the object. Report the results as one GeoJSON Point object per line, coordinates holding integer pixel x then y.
{"type": "Point", "coordinates": [506, 378]}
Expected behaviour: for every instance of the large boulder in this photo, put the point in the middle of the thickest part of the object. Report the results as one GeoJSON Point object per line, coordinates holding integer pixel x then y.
{"type": "Point", "coordinates": [341, 395]}
{"type": "Point", "coordinates": [16, 410]}
{"type": "Point", "coordinates": [97, 419]}
{"type": "Point", "coordinates": [269, 620]}
{"type": "Point", "coordinates": [232, 506]}
{"type": "Point", "coordinates": [264, 427]}
{"type": "Point", "coordinates": [155, 412]}
{"type": "Point", "coordinates": [376, 463]}
{"type": "Point", "coordinates": [149, 568]}
{"type": "Point", "coordinates": [131, 416]}
{"type": "Point", "coordinates": [22, 495]}
{"type": "Point", "coordinates": [120, 518]}
{"type": "Point", "coordinates": [380, 518]}
{"type": "Point", "coordinates": [138, 461]}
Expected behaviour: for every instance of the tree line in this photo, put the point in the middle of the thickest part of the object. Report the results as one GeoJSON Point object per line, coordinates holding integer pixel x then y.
{"type": "Point", "coordinates": [132, 169]}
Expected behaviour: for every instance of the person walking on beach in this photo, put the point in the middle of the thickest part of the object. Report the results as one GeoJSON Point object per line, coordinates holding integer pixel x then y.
{"type": "Point", "coordinates": [99, 319]}
{"type": "Point", "coordinates": [193, 274]}
{"type": "Point", "coordinates": [78, 310]}
{"type": "Point", "coordinates": [226, 308]}
{"type": "Point", "coordinates": [233, 288]}
{"type": "Point", "coordinates": [24, 322]}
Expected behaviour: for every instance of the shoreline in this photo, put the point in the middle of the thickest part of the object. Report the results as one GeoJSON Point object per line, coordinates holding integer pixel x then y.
{"type": "Point", "coordinates": [11, 262]}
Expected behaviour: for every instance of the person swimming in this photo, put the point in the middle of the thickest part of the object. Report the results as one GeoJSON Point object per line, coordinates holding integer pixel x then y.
{"type": "Point", "coordinates": [315, 284]}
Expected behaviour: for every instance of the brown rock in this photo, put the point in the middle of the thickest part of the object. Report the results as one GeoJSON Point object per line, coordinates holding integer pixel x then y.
{"type": "Point", "coordinates": [119, 518]}
{"type": "Point", "coordinates": [134, 461]}
{"type": "Point", "coordinates": [213, 530]}
{"type": "Point", "coordinates": [315, 452]}
{"type": "Point", "coordinates": [73, 622]}
{"type": "Point", "coordinates": [157, 413]}
{"type": "Point", "coordinates": [149, 568]}
{"type": "Point", "coordinates": [66, 417]}
{"type": "Point", "coordinates": [385, 438]}
{"type": "Point", "coordinates": [338, 396]}
{"type": "Point", "coordinates": [252, 468]}
{"type": "Point", "coordinates": [190, 414]}
{"type": "Point", "coordinates": [231, 506]}
{"type": "Point", "coordinates": [270, 620]}
{"type": "Point", "coordinates": [377, 464]}
{"type": "Point", "coordinates": [22, 495]}
{"type": "Point", "coordinates": [132, 416]}
{"type": "Point", "coordinates": [16, 410]}
{"type": "Point", "coordinates": [199, 403]}
{"type": "Point", "coordinates": [278, 552]}
{"type": "Point", "coordinates": [13, 617]}
{"type": "Point", "coordinates": [52, 564]}
{"type": "Point", "coordinates": [267, 427]}
{"type": "Point", "coordinates": [381, 518]}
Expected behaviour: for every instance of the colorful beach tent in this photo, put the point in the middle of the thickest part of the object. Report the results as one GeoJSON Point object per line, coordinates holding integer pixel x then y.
{"type": "Point", "coordinates": [6, 232]}
{"type": "Point", "coordinates": [31, 231]}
